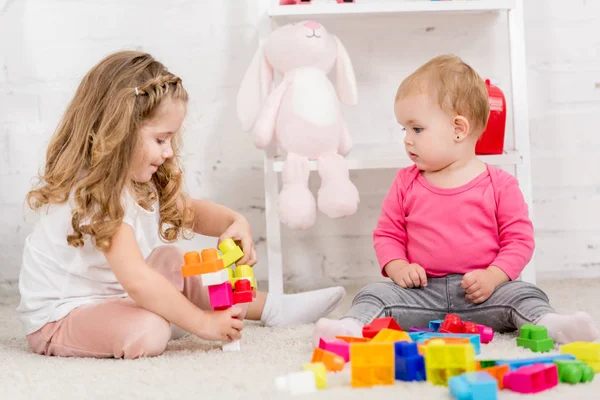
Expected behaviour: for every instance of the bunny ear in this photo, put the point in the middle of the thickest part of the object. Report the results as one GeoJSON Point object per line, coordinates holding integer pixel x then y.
{"type": "Point", "coordinates": [345, 79]}
{"type": "Point", "coordinates": [254, 89]}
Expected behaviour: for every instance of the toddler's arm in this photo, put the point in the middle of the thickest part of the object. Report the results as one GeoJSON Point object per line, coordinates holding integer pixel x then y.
{"type": "Point", "coordinates": [152, 291]}
{"type": "Point", "coordinates": [389, 237]}
{"type": "Point", "coordinates": [514, 227]}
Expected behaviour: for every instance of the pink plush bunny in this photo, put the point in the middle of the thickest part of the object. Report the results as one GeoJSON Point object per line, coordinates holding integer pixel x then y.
{"type": "Point", "coordinates": [303, 115]}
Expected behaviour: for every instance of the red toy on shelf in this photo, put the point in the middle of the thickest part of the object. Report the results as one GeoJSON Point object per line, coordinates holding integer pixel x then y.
{"type": "Point", "coordinates": [492, 139]}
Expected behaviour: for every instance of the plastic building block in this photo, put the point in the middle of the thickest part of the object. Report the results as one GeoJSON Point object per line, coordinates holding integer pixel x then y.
{"type": "Point", "coordinates": [587, 352]}
{"type": "Point", "coordinates": [417, 336]}
{"type": "Point", "coordinates": [372, 329]}
{"type": "Point", "coordinates": [336, 346]}
{"type": "Point", "coordinates": [473, 386]}
{"type": "Point", "coordinates": [435, 324]}
{"type": "Point", "coordinates": [486, 333]}
{"type": "Point", "coordinates": [498, 373]}
{"type": "Point", "coordinates": [390, 336]}
{"type": "Point", "coordinates": [574, 371]}
{"type": "Point", "coordinates": [319, 371]}
{"type": "Point", "coordinates": [451, 324]}
{"type": "Point", "coordinates": [486, 363]}
{"type": "Point", "coordinates": [535, 338]}
{"type": "Point", "coordinates": [419, 329]}
{"type": "Point", "coordinates": [352, 339]}
{"type": "Point", "coordinates": [244, 272]}
{"type": "Point", "coordinates": [242, 292]}
{"type": "Point", "coordinates": [474, 339]}
{"type": "Point", "coordinates": [372, 364]}
{"type": "Point", "coordinates": [332, 361]}
{"type": "Point", "coordinates": [232, 346]}
{"type": "Point", "coordinates": [231, 252]}
{"type": "Point", "coordinates": [297, 383]}
{"type": "Point", "coordinates": [215, 278]}
{"type": "Point", "coordinates": [522, 362]}
{"type": "Point", "coordinates": [197, 264]}
{"type": "Point", "coordinates": [444, 361]}
{"type": "Point", "coordinates": [221, 296]}
{"type": "Point", "coordinates": [410, 366]}
{"type": "Point", "coordinates": [532, 378]}
{"type": "Point", "coordinates": [345, 1]}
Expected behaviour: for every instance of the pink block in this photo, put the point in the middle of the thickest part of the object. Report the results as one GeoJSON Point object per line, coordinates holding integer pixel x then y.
{"type": "Point", "coordinates": [220, 295]}
{"type": "Point", "coordinates": [532, 378]}
{"type": "Point", "coordinates": [336, 346]}
{"type": "Point", "coordinates": [486, 334]}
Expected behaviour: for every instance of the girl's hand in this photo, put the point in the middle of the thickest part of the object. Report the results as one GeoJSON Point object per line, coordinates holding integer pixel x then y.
{"type": "Point", "coordinates": [224, 326]}
{"type": "Point", "coordinates": [406, 275]}
{"type": "Point", "coordinates": [480, 284]}
{"type": "Point", "coordinates": [240, 232]}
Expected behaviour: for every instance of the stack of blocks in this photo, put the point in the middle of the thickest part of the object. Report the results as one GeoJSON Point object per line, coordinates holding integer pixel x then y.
{"type": "Point", "coordinates": [444, 354]}
{"type": "Point", "coordinates": [227, 284]}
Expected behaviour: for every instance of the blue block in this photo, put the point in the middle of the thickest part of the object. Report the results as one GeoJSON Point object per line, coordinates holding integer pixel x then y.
{"type": "Point", "coordinates": [521, 362]}
{"type": "Point", "coordinates": [435, 324]}
{"type": "Point", "coordinates": [474, 339]}
{"type": "Point", "coordinates": [410, 365]}
{"type": "Point", "coordinates": [473, 386]}
{"type": "Point", "coordinates": [415, 336]}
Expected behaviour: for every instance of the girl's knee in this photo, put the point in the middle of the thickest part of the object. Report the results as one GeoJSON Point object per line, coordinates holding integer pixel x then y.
{"type": "Point", "coordinates": [149, 336]}
{"type": "Point", "coordinates": [375, 290]}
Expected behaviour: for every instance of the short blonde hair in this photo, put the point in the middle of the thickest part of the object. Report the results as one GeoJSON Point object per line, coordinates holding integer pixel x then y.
{"type": "Point", "coordinates": [458, 88]}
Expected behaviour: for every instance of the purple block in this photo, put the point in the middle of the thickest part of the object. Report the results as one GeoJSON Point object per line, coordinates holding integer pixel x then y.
{"type": "Point", "coordinates": [419, 329]}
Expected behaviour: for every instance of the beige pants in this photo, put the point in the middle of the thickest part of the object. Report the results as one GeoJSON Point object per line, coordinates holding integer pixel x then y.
{"type": "Point", "coordinates": [118, 327]}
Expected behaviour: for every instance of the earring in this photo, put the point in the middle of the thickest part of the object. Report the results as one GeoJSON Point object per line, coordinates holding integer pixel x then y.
{"type": "Point", "coordinates": [458, 136]}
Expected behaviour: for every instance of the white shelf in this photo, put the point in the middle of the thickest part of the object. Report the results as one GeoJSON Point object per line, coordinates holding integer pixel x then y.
{"type": "Point", "coordinates": [365, 7]}
{"type": "Point", "coordinates": [392, 156]}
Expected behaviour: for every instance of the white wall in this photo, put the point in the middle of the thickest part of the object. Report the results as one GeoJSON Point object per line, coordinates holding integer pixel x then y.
{"type": "Point", "coordinates": [47, 45]}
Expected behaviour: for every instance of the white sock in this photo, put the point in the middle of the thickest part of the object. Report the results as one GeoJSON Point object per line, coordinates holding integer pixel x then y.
{"type": "Point", "coordinates": [330, 328]}
{"type": "Point", "coordinates": [578, 327]}
{"type": "Point", "coordinates": [300, 308]}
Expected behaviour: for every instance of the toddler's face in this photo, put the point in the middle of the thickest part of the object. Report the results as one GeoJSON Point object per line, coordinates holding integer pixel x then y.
{"type": "Point", "coordinates": [429, 132]}
{"type": "Point", "coordinates": [154, 145]}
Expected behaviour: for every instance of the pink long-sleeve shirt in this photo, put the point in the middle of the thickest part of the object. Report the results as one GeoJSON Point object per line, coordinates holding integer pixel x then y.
{"type": "Point", "coordinates": [447, 231]}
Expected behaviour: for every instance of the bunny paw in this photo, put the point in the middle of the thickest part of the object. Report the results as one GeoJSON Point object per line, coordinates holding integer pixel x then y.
{"type": "Point", "coordinates": [297, 208]}
{"type": "Point", "coordinates": [338, 199]}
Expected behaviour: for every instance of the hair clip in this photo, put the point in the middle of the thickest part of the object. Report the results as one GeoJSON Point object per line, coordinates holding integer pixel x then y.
{"type": "Point", "coordinates": [136, 91]}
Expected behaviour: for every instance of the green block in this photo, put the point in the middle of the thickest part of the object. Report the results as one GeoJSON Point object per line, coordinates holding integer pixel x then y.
{"type": "Point", "coordinates": [535, 338]}
{"type": "Point", "coordinates": [574, 371]}
{"type": "Point", "coordinates": [487, 363]}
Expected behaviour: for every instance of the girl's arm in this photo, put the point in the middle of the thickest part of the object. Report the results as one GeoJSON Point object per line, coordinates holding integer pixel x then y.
{"type": "Point", "coordinates": [212, 219]}
{"type": "Point", "coordinates": [153, 292]}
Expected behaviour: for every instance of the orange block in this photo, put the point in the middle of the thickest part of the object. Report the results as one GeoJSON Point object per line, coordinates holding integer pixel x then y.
{"type": "Point", "coordinates": [372, 364]}
{"type": "Point", "coordinates": [449, 340]}
{"type": "Point", "coordinates": [332, 361]}
{"type": "Point", "coordinates": [196, 264]}
{"type": "Point", "coordinates": [352, 339]}
{"type": "Point", "coordinates": [498, 373]}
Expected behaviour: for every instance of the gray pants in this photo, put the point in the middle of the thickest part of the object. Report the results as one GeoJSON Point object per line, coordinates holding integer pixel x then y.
{"type": "Point", "coordinates": [511, 305]}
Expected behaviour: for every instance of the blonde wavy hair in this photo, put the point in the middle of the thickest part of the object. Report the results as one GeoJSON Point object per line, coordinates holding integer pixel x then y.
{"type": "Point", "coordinates": [91, 151]}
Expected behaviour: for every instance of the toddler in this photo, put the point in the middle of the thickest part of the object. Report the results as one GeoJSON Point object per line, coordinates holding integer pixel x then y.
{"type": "Point", "coordinates": [98, 279]}
{"type": "Point", "coordinates": [454, 233]}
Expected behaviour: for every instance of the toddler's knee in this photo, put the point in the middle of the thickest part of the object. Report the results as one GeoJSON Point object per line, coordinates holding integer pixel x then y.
{"type": "Point", "coordinates": [150, 337]}
{"type": "Point", "coordinates": [374, 290]}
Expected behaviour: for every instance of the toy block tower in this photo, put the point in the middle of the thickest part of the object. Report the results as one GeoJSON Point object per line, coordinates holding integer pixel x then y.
{"type": "Point", "coordinates": [227, 283]}
{"type": "Point", "coordinates": [444, 361]}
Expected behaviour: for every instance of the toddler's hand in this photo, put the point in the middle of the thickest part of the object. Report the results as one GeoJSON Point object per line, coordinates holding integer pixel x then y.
{"type": "Point", "coordinates": [480, 284]}
{"type": "Point", "coordinates": [240, 232]}
{"type": "Point", "coordinates": [224, 326]}
{"type": "Point", "coordinates": [406, 275]}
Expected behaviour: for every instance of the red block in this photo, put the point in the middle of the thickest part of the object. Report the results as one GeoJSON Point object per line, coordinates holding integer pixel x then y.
{"type": "Point", "coordinates": [372, 329]}
{"type": "Point", "coordinates": [452, 324]}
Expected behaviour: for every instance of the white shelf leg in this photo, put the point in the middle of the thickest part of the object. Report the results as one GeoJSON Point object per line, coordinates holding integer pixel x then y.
{"type": "Point", "coordinates": [274, 258]}
{"type": "Point", "coordinates": [518, 67]}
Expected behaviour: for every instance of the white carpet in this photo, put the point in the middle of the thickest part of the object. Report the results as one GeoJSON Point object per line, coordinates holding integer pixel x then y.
{"type": "Point", "coordinates": [192, 369]}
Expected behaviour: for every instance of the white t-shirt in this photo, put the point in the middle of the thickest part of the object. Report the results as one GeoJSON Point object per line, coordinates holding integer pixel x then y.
{"type": "Point", "coordinates": [56, 277]}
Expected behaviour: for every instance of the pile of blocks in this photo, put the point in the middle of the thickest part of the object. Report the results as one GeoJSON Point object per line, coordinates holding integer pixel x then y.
{"type": "Point", "coordinates": [444, 354]}
{"type": "Point", "coordinates": [227, 283]}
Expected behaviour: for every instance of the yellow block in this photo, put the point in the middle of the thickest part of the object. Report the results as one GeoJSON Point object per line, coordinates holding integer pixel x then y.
{"type": "Point", "coordinates": [391, 336]}
{"type": "Point", "coordinates": [320, 372]}
{"type": "Point", "coordinates": [231, 252]}
{"type": "Point", "coordinates": [587, 352]}
{"type": "Point", "coordinates": [372, 364]}
{"type": "Point", "coordinates": [243, 272]}
{"type": "Point", "coordinates": [444, 361]}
